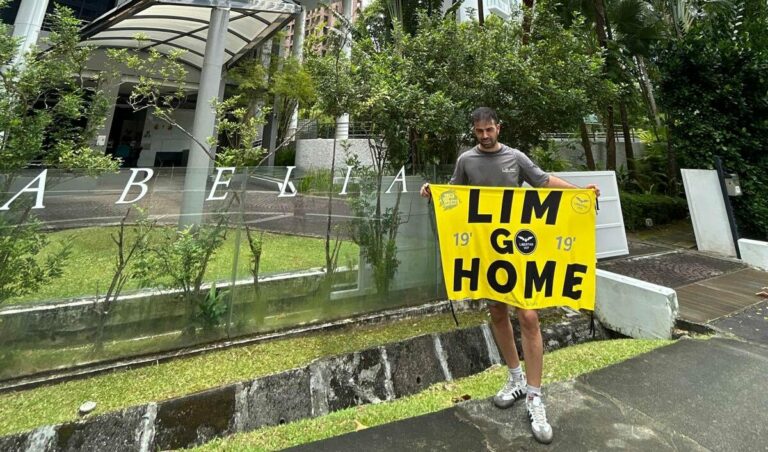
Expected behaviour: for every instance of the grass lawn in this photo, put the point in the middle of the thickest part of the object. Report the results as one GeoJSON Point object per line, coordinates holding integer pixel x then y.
{"type": "Point", "coordinates": [559, 365]}
{"type": "Point", "coordinates": [24, 410]}
{"type": "Point", "coordinates": [89, 268]}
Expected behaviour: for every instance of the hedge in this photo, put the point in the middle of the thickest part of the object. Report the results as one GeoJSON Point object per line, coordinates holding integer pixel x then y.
{"type": "Point", "coordinates": [660, 208]}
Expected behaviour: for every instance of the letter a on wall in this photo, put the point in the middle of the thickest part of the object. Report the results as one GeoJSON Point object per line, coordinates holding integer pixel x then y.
{"type": "Point", "coordinates": [530, 248]}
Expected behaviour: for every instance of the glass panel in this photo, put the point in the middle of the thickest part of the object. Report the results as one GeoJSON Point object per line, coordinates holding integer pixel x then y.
{"type": "Point", "coordinates": [108, 268]}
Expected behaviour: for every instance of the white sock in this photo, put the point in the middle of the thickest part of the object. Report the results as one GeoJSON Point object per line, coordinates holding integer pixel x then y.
{"type": "Point", "coordinates": [516, 373]}
{"type": "Point", "coordinates": [533, 391]}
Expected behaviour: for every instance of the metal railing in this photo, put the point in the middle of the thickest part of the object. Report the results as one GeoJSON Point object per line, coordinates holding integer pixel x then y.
{"type": "Point", "coordinates": [594, 135]}
{"type": "Point", "coordinates": [314, 129]}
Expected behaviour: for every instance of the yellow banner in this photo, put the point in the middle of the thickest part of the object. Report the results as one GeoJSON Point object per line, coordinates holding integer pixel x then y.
{"type": "Point", "coordinates": [530, 248]}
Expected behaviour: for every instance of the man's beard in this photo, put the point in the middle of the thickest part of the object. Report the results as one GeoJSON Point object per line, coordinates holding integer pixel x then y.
{"type": "Point", "coordinates": [489, 144]}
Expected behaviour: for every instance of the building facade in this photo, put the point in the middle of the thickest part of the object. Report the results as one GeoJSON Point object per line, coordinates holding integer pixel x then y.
{"type": "Point", "coordinates": [319, 20]}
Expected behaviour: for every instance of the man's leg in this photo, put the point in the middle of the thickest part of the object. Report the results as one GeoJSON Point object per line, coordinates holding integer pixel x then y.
{"type": "Point", "coordinates": [502, 331]}
{"type": "Point", "coordinates": [533, 350]}
{"type": "Point", "coordinates": [533, 346]}
{"type": "Point", "coordinates": [515, 386]}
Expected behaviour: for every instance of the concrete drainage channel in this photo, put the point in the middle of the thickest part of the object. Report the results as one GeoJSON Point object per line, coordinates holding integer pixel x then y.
{"type": "Point", "coordinates": [326, 385]}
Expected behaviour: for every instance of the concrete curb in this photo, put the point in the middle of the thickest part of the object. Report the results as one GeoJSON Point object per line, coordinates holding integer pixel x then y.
{"type": "Point", "coordinates": [328, 384]}
{"type": "Point", "coordinates": [636, 308]}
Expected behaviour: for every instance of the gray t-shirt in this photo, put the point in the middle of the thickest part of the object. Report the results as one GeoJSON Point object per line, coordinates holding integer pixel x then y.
{"type": "Point", "coordinates": [505, 168]}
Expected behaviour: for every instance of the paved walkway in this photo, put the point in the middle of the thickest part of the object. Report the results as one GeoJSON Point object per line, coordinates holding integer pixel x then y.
{"type": "Point", "coordinates": [693, 395]}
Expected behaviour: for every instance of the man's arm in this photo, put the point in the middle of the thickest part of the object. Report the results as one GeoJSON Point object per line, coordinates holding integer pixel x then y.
{"type": "Point", "coordinates": [556, 182]}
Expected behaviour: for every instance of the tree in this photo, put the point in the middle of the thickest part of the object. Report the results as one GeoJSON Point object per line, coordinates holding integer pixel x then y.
{"type": "Point", "coordinates": [715, 93]}
{"type": "Point", "coordinates": [333, 75]}
{"type": "Point", "coordinates": [626, 32]}
{"type": "Point", "coordinates": [416, 91]}
{"type": "Point", "coordinates": [47, 111]}
{"type": "Point", "coordinates": [285, 79]}
{"type": "Point", "coordinates": [422, 87]}
{"type": "Point", "coordinates": [48, 114]}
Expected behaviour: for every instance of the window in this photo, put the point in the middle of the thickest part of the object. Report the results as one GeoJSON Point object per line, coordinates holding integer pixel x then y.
{"type": "Point", "coordinates": [87, 10]}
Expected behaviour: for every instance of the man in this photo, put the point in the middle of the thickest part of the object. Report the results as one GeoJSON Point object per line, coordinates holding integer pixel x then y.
{"type": "Point", "coordinates": [493, 164]}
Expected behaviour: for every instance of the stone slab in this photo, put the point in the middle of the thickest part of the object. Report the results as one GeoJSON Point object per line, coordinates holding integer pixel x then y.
{"type": "Point", "coordinates": [354, 379]}
{"type": "Point", "coordinates": [635, 308]}
{"type": "Point", "coordinates": [466, 352]}
{"type": "Point", "coordinates": [195, 419]}
{"type": "Point", "coordinates": [710, 390]}
{"type": "Point", "coordinates": [750, 324]}
{"type": "Point", "coordinates": [754, 253]}
{"type": "Point", "coordinates": [277, 399]}
{"type": "Point", "coordinates": [116, 431]}
{"type": "Point", "coordinates": [414, 366]}
{"type": "Point", "coordinates": [14, 443]}
{"type": "Point", "coordinates": [708, 212]}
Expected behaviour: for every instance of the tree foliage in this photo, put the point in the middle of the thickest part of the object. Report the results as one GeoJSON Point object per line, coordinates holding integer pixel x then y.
{"type": "Point", "coordinates": [47, 112]}
{"type": "Point", "coordinates": [715, 91]}
{"type": "Point", "coordinates": [417, 89]}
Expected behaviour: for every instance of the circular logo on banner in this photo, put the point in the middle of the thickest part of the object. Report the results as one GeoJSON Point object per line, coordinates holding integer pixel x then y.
{"type": "Point", "coordinates": [581, 203]}
{"type": "Point", "coordinates": [525, 241]}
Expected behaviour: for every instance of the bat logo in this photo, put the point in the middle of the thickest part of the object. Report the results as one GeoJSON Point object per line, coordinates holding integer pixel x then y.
{"type": "Point", "coordinates": [525, 241]}
{"type": "Point", "coordinates": [581, 203]}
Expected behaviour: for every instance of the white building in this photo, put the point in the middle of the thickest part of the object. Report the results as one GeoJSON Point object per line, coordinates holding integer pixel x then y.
{"type": "Point", "coordinates": [469, 8]}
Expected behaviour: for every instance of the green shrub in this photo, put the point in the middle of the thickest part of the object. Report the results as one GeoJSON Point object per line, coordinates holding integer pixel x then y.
{"type": "Point", "coordinates": [316, 181]}
{"type": "Point", "coordinates": [714, 89]}
{"type": "Point", "coordinates": [661, 209]}
{"type": "Point", "coordinates": [286, 156]}
{"type": "Point", "coordinates": [547, 157]}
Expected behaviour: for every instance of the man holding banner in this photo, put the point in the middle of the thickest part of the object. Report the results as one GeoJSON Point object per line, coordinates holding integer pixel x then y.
{"type": "Point", "coordinates": [510, 246]}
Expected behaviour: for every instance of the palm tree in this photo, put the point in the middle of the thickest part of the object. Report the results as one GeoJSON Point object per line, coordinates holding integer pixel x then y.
{"type": "Point", "coordinates": [625, 31]}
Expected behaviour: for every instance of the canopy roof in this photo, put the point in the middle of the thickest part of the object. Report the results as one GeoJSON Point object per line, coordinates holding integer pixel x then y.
{"type": "Point", "coordinates": [168, 25]}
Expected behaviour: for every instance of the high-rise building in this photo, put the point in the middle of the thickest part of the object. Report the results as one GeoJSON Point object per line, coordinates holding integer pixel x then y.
{"type": "Point", "coordinates": [320, 19]}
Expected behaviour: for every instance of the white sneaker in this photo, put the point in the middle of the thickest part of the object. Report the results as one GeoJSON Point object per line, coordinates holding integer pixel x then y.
{"type": "Point", "coordinates": [514, 389]}
{"type": "Point", "coordinates": [541, 429]}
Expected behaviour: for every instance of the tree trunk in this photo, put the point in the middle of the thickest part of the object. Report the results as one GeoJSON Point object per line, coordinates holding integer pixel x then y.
{"type": "Point", "coordinates": [601, 28]}
{"type": "Point", "coordinates": [628, 151]}
{"type": "Point", "coordinates": [645, 83]}
{"type": "Point", "coordinates": [671, 162]}
{"type": "Point", "coordinates": [587, 145]}
{"type": "Point", "coordinates": [610, 141]}
{"type": "Point", "coordinates": [527, 19]}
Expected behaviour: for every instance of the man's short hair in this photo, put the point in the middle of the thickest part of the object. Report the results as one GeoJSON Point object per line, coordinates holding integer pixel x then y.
{"type": "Point", "coordinates": [484, 114]}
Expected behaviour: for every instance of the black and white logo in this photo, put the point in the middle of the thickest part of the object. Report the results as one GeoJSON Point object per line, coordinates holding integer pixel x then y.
{"type": "Point", "coordinates": [525, 241]}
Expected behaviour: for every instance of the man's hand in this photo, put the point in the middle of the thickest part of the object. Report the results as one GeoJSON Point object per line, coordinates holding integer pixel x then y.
{"type": "Point", "coordinates": [425, 192]}
{"type": "Point", "coordinates": [595, 188]}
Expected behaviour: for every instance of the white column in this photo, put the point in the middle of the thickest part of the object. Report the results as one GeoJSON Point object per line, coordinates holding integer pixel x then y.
{"type": "Point", "coordinates": [298, 53]}
{"type": "Point", "coordinates": [199, 163]}
{"type": "Point", "coordinates": [342, 122]}
{"type": "Point", "coordinates": [29, 21]}
{"type": "Point", "coordinates": [274, 116]}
